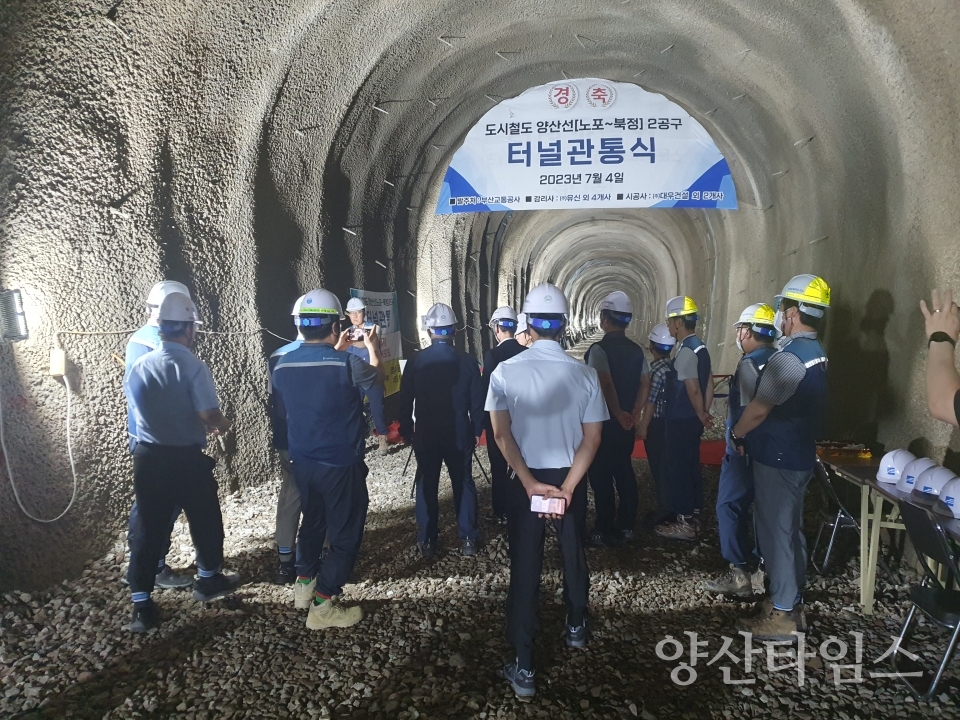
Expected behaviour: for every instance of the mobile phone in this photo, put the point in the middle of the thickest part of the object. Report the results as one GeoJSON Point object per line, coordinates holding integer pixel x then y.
{"type": "Point", "coordinates": [354, 334]}
{"type": "Point", "coordinates": [548, 506]}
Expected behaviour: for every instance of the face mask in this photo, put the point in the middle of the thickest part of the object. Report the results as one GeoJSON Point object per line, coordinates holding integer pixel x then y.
{"type": "Point", "coordinates": [778, 323]}
{"type": "Point", "coordinates": [739, 345]}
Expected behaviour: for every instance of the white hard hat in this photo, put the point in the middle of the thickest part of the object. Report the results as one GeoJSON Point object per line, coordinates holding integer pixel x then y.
{"type": "Point", "coordinates": [158, 292]}
{"type": "Point", "coordinates": [440, 319]}
{"type": "Point", "coordinates": [503, 313]}
{"type": "Point", "coordinates": [660, 335]}
{"type": "Point", "coordinates": [318, 307]}
{"type": "Point", "coordinates": [931, 482]}
{"type": "Point", "coordinates": [545, 299]}
{"type": "Point", "coordinates": [893, 464]}
{"type": "Point", "coordinates": [680, 306]}
{"type": "Point", "coordinates": [296, 306]}
{"type": "Point", "coordinates": [949, 501]}
{"type": "Point", "coordinates": [911, 472]}
{"type": "Point", "coordinates": [354, 304]}
{"type": "Point", "coordinates": [617, 302]}
{"type": "Point", "coordinates": [177, 307]}
{"type": "Point", "coordinates": [522, 326]}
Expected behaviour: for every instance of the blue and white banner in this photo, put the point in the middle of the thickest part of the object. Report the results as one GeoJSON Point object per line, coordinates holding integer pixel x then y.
{"type": "Point", "coordinates": [586, 143]}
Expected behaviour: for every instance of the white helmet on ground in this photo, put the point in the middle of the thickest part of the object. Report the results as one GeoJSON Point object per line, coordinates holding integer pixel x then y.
{"type": "Point", "coordinates": [661, 337]}
{"type": "Point", "coordinates": [949, 501]}
{"type": "Point", "coordinates": [618, 305]}
{"type": "Point", "coordinates": [440, 319]}
{"type": "Point", "coordinates": [931, 482]}
{"type": "Point", "coordinates": [545, 299]}
{"type": "Point", "coordinates": [319, 307]}
{"type": "Point", "coordinates": [505, 317]}
{"type": "Point", "coordinates": [158, 292]}
{"type": "Point", "coordinates": [893, 464]}
{"type": "Point", "coordinates": [911, 472]}
{"type": "Point", "coordinates": [354, 304]}
{"type": "Point", "coordinates": [177, 308]}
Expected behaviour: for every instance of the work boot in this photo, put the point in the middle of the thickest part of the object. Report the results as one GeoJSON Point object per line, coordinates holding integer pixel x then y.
{"type": "Point", "coordinates": [218, 586]}
{"type": "Point", "coordinates": [146, 617]}
{"type": "Point", "coordinates": [427, 550]}
{"type": "Point", "coordinates": [469, 548]}
{"type": "Point", "coordinates": [286, 573]}
{"type": "Point", "coordinates": [330, 614]}
{"type": "Point", "coordinates": [773, 625]}
{"type": "Point", "coordinates": [682, 529]}
{"type": "Point", "coordinates": [577, 635]}
{"type": "Point", "coordinates": [168, 579]}
{"type": "Point", "coordinates": [303, 594]}
{"type": "Point", "coordinates": [523, 681]}
{"type": "Point", "coordinates": [734, 582]}
{"type": "Point", "coordinates": [383, 447]}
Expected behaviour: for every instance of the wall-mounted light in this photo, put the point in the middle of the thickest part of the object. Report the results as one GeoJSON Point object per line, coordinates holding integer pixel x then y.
{"type": "Point", "coordinates": [13, 321]}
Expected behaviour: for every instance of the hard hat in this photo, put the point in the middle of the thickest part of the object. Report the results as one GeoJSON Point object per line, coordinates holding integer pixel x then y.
{"type": "Point", "coordinates": [319, 307]}
{"type": "Point", "coordinates": [931, 482]}
{"type": "Point", "coordinates": [911, 472]}
{"type": "Point", "coordinates": [893, 464]}
{"type": "Point", "coordinates": [522, 326]}
{"type": "Point", "coordinates": [810, 291]}
{"type": "Point", "coordinates": [545, 299]}
{"type": "Point", "coordinates": [440, 319]}
{"type": "Point", "coordinates": [296, 306]}
{"type": "Point", "coordinates": [681, 305]}
{"type": "Point", "coordinates": [949, 501]}
{"type": "Point", "coordinates": [756, 314]}
{"type": "Point", "coordinates": [618, 305]}
{"type": "Point", "coordinates": [158, 292]}
{"type": "Point", "coordinates": [354, 304]}
{"type": "Point", "coordinates": [660, 335]}
{"type": "Point", "coordinates": [504, 316]}
{"type": "Point", "coordinates": [177, 307]}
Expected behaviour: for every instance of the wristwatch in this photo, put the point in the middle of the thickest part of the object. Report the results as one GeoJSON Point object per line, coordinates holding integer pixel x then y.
{"type": "Point", "coordinates": [738, 442]}
{"type": "Point", "coordinates": [940, 336]}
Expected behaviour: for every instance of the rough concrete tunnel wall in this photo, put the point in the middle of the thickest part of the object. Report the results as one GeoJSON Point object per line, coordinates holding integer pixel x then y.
{"type": "Point", "coordinates": [233, 146]}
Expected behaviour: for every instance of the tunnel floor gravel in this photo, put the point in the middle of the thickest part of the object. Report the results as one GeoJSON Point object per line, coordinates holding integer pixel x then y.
{"type": "Point", "coordinates": [432, 643]}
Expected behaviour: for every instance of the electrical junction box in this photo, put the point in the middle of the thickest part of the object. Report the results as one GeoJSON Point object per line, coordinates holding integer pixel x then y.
{"type": "Point", "coordinates": [58, 362]}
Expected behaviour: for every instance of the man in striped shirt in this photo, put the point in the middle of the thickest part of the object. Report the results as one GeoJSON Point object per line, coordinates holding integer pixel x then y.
{"type": "Point", "coordinates": [651, 429]}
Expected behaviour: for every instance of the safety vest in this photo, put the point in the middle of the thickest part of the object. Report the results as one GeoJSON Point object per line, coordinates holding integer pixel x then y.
{"type": "Point", "coordinates": [787, 439]}
{"type": "Point", "coordinates": [758, 357]}
{"type": "Point", "coordinates": [626, 361]}
{"type": "Point", "coordinates": [679, 406]}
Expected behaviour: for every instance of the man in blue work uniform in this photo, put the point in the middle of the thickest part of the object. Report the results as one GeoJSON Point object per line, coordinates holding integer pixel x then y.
{"type": "Point", "coordinates": [689, 396]}
{"type": "Point", "coordinates": [547, 411]}
{"type": "Point", "coordinates": [651, 429]}
{"type": "Point", "coordinates": [504, 326]}
{"type": "Point", "coordinates": [625, 382]}
{"type": "Point", "coordinates": [446, 386]}
{"type": "Point", "coordinates": [755, 336]}
{"type": "Point", "coordinates": [317, 389]}
{"type": "Point", "coordinates": [778, 431]}
{"type": "Point", "coordinates": [357, 313]}
{"type": "Point", "coordinates": [145, 340]}
{"type": "Point", "coordinates": [288, 499]}
{"type": "Point", "coordinates": [174, 404]}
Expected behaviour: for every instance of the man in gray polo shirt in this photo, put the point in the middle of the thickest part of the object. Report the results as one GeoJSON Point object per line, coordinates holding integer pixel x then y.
{"type": "Point", "coordinates": [547, 413]}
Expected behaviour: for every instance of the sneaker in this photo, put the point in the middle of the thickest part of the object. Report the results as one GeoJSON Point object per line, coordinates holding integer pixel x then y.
{"type": "Point", "coordinates": [218, 586]}
{"type": "Point", "coordinates": [777, 625]}
{"type": "Point", "coordinates": [303, 594]}
{"type": "Point", "coordinates": [168, 579]}
{"type": "Point", "coordinates": [469, 548]}
{"type": "Point", "coordinates": [523, 681]}
{"type": "Point", "coordinates": [598, 539]}
{"type": "Point", "coordinates": [330, 614]}
{"type": "Point", "coordinates": [577, 635]}
{"type": "Point", "coordinates": [734, 582]}
{"type": "Point", "coordinates": [383, 447]}
{"type": "Point", "coordinates": [682, 529]}
{"type": "Point", "coordinates": [427, 550]}
{"type": "Point", "coordinates": [286, 573]}
{"type": "Point", "coordinates": [627, 536]}
{"type": "Point", "coordinates": [145, 618]}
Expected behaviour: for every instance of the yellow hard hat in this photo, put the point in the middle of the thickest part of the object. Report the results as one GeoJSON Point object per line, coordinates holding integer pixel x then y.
{"type": "Point", "coordinates": [681, 305]}
{"type": "Point", "coordinates": [810, 291]}
{"type": "Point", "coordinates": [756, 314]}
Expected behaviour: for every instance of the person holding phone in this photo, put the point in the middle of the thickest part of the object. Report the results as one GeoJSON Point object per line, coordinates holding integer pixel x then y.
{"type": "Point", "coordinates": [359, 328]}
{"type": "Point", "coordinates": [547, 412]}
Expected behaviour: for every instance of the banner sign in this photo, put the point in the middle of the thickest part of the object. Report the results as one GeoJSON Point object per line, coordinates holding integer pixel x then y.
{"type": "Point", "coordinates": [381, 308]}
{"type": "Point", "coordinates": [586, 143]}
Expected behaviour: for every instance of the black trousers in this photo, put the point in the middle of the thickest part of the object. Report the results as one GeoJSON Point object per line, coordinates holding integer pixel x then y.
{"type": "Point", "coordinates": [683, 464]}
{"type": "Point", "coordinates": [525, 534]}
{"type": "Point", "coordinates": [334, 502]}
{"type": "Point", "coordinates": [656, 448]}
{"type": "Point", "coordinates": [430, 458]}
{"type": "Point", "coordinates": [165, 477]}
{"type": "Point", "coordinates": [498, 474]}
{"type": "Point", "coordinates": [613, 466]}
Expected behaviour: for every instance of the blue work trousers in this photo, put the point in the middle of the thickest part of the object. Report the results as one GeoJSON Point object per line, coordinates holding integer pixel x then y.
{"type": "Point", "coordinates": [374, 394]}
{"type": "Point", "coordinates": [459, 462]}
{"type": "Point", "coordinates": [683, 464]}
{"type": "Point", "coordinates": [734, 519]}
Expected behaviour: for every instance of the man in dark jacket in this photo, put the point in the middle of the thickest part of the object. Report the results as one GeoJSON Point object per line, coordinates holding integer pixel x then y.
{"type": "Point", "coordinates": [441, 387]}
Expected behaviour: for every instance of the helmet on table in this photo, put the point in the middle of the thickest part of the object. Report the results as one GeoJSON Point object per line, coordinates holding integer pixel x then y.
{"type": "Point", "coordinates": [911, 472]}
{"type": "Point", "coordinates": [893, 464]}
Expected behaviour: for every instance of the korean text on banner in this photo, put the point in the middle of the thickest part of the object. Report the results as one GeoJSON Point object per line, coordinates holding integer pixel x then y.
{"type": "Point", "coordinates": [381, 308]}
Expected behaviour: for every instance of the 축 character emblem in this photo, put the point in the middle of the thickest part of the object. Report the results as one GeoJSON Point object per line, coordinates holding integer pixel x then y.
{"type": "Point", "coordinates": [601, 95]}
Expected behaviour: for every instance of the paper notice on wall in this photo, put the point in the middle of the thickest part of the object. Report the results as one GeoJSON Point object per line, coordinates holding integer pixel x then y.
{"type": "Point", "coordinates": [381, 308]}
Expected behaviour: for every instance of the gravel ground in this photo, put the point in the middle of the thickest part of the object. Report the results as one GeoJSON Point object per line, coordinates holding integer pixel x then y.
{"type": "Point", "coordinates": [432, 643]}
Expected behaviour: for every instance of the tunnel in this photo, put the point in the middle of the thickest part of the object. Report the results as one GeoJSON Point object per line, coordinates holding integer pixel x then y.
{"type": "Point", "coordinates": [254, 150]}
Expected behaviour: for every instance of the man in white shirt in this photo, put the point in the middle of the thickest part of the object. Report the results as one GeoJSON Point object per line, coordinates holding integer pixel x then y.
{"type": "Point", "coordinates": [547, 412]}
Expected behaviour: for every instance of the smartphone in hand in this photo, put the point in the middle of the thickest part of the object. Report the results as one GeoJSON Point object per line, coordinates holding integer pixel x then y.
{"type": "Point", "coordinates": [548, 506]}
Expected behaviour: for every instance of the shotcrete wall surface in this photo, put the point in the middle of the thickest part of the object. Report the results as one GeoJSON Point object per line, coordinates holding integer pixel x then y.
{"type": "Point", "coordinates": [235, 146]}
